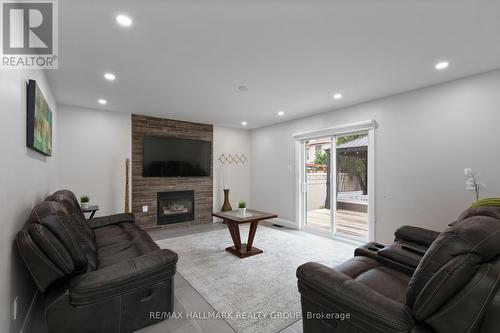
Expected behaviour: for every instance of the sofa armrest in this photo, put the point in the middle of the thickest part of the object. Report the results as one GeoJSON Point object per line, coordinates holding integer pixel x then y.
{"type": "Point", "coordinates": [403, 253]}
{"type": "Point", "coordinates": [336, 291]}
{"type": "Point", "coordinates": [416, 235]}
{"type": "Point", "coordinates": [122, 277]}
{"type": "Point", "coordinates": [102, 221]}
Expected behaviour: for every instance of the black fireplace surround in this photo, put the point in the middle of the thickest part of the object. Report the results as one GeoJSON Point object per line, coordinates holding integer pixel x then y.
{"type": "Point", "coordinates": [175, 207]}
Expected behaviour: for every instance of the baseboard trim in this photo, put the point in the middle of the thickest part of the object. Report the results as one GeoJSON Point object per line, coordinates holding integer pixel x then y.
{"type": "Point", "coordinates": [284, 223]}
{"type": "Point", "coordinates": [27, 318]}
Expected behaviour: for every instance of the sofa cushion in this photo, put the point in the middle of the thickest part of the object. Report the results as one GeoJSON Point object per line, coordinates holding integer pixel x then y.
{"type": "Point", "coordinates": [55, 218]}
{"type": "Point", "coordinates": [121, 242]}
{"type": "Point", "coordinates": [327, 292]}
{"type": "Point", "coordinates": [52, 247]}
{"type": "Point", "coordinates": [111, 235]}
{"type": "Point", "coordinates": [86, 235]}
{"type": "Point", "coordinates": [101, 221]}
{"type": "Point", "coordinates": [123, 276]}
{"type": "Point", "coordinates": [41, 267]}
{"type": "Point", "coordinates": [384, 280]}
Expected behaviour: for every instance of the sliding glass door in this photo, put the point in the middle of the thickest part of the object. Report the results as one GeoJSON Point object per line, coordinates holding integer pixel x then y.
{"type": "Point", "coordinates": [317, 177]}
{"type": "Point", "coordinates": [335, 185]}
{"type": "Point", "coordinates": [351, 173]}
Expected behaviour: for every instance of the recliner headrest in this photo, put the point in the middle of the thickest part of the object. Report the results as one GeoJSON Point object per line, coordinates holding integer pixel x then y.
{"type": "Point", "coordinates": [49, 244]}
{"type": "Point", "coordinates": [44, 209]}
{"type": "Point", "coordinates": [69, 200]}
{"type": "Point", "coordinates": [453, 258]}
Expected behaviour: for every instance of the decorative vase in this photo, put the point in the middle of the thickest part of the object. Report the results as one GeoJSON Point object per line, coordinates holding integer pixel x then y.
{"type": "Point", "coordinates": [226, 206]}
{"type": "Point", "coordinates": [242, 212]}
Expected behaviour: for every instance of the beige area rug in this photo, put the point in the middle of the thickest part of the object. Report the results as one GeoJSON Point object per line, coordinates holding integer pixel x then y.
{"type": "Point", "coordinates": [260, 287]}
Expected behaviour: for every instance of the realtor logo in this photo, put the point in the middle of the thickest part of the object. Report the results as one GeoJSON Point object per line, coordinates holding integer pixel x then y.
{"type": "Point", "coordinates": [29, 34]}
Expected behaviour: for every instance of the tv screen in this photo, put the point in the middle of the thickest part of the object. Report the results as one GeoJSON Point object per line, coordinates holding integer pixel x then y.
{"type": "Point", "coordinates": [170, 157]}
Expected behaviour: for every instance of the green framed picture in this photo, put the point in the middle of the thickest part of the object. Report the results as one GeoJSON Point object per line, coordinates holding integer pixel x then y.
{"type": "Point", "coordinates": [39, 124]}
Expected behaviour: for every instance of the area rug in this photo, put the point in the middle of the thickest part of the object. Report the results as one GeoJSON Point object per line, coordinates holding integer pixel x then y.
{"type": "Point", "coordinates": [256, 294]}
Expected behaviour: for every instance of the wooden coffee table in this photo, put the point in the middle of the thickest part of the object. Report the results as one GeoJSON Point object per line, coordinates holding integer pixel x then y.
{"type": "Point", "coordinates": [233, 220]}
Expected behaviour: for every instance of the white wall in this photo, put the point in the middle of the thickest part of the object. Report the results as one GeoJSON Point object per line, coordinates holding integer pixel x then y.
{"type": "Point", "coordinates": [25, 180]}
{"type": "Point", "coordinates": [424, 141]}
{"type": "Point", "coordinates": [93, 145]}
{"type": "Point", "coordinates": [231, 141]}
{"type": "Point", "coordinates": [92, 148]}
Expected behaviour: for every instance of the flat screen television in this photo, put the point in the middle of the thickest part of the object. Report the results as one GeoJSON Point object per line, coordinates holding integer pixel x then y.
{"type": "Point", "coordinates": [171, 157]}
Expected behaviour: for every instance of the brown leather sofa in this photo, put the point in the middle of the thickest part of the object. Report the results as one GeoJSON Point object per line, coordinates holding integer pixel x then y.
{"type": "Point", "coordinates": [454, 287]}
{"type": "Point", "coordinates": [100, 275]}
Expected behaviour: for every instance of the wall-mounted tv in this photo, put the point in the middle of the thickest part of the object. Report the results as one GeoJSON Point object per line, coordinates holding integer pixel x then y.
{"type": "Point", "coordinates": [172, 157]}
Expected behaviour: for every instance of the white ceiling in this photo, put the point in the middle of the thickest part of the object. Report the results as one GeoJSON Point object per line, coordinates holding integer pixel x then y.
{"type": "Point", "coordinates": [185, 59]}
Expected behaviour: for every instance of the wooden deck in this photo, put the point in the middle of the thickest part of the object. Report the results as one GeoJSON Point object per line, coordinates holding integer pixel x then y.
{"type": "Point", "coordinates": [349, 223]}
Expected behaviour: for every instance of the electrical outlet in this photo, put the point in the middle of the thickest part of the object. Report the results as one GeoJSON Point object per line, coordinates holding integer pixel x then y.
{"type": "Point", "coordinates": [145, 209]}
{"type": "Point", "coordinates": [14, 312]}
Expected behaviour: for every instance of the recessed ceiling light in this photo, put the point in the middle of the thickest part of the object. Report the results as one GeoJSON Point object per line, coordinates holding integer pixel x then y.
{"type": "Point", "coordinates": [244, 123]}
{"type": "Point", "coordinates": [242, 88]}
{"type": "Point", "coordinates": [102, 101]}
{"type": "Point", "coordinates": [442, 65]}
{"type": "Point", "coordinates": [337, 96]}
{"type": "Point", "coordinates": [124, 20]}
{"type": "Point", "coordinates": [281, 113]}
{"type": "Point", "coordinates": [109, 76]}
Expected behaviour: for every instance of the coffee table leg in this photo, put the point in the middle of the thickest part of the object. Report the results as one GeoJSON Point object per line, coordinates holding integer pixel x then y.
{"type": "Point", "coordinates": [251, 234]}
{"type": "Point", "coordinates": [242, 250]}
{"type": "Point", "coordinates": [234, 230]}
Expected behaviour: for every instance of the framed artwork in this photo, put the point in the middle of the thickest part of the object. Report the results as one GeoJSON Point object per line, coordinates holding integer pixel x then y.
{"type": "Point", "coordinates": [39, 124]}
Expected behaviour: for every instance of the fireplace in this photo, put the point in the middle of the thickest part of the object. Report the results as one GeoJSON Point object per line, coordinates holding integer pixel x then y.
{"type": "Point", "coordinates": [175, 207]}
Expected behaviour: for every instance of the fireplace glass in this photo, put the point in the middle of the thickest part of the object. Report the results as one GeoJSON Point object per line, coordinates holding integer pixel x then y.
{"type": "Point", "coordinates": [175, 207]}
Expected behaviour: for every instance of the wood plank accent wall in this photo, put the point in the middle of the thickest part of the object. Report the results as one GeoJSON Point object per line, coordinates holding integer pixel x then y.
{"type": "Point", "coordinates": [144, 190]}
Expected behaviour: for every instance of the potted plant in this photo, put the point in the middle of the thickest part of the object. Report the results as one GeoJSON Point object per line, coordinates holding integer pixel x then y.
{"type": "Point", "coordinates": [242, 208]}
{"type": "Point", "coordinates": [85, 201]}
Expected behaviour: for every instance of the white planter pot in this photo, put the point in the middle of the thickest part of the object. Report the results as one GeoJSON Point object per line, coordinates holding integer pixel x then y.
{"type": "Point", "coordinates": [242, 211]}
{"type": "Point", "coordinates": [85, 205]}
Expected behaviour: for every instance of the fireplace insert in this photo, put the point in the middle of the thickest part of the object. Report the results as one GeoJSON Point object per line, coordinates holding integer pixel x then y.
{"type": "Point", "coordinates": [175, 207]}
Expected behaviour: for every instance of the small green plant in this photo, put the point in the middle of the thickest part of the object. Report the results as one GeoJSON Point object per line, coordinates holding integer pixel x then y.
{"type": "Point", "coordinates": [84, 199]}
{"type": "Point", "coordinates": [242, 204]}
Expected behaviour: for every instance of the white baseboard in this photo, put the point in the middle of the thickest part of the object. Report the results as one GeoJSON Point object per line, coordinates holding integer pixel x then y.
{"type": "Point", "coordinates": [285, 223]}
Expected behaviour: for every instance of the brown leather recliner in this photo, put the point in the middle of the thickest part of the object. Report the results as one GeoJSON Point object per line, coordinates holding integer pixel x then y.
{"type": "Point", "coordinates": [455, 287]}
{"type": "Point", "coordinates": [410, 245]}
{"type": "Point", "coordinates": [106, 276]}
